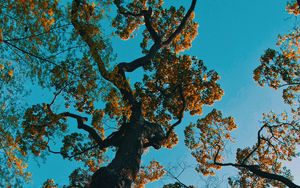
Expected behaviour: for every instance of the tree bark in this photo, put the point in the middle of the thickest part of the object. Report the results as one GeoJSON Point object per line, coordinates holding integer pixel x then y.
{"type": "Point", "coordinates": [123, 169]}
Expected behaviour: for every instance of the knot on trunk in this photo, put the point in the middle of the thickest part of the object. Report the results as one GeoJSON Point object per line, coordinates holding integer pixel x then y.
{"type": "Point", "coordinates": [153, 135]}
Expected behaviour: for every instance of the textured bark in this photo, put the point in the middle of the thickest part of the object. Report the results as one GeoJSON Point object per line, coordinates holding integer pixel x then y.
{"type": "Point", "coordinates": [123, 169]}
{"type": "Point", "coordinates": [271, 176]}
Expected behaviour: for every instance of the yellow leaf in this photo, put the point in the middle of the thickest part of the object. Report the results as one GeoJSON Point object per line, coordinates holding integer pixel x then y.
{"type": "Point", "coordinates": [11, 73]}
{"type": "Point", "coordinates": [1, 67]}
{"type": "Point", "coordinates": [50, 12]}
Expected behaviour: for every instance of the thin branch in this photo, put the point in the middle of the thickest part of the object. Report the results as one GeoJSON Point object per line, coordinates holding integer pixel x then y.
{"type": "Point", "coordinates": [176, 178]}
{"type": "Point", "coordinates": [54, 152]}
{"type": "Point", "coordinates": [37, 57]}
{"type": "Point", "coordinates": [255, 170]}
{"type": "Point", "coordinates": [36, 35]}
{"type": "Point", "coordinates": [122, 11]}
{"type": "Point", "coordinates": [75, 154]}
{"type": "Point", "coordinates": [180, 113]}
{"type": "Point", "coordinates": [257, 145]}
{"type": "Point", "coordinates": [223, 164]}
{"type": "Point", "coordinates": [289, 84]}
{"type": "Point", "coordinates": [57, 94]}
{"type": "Point", "coordinates": [63, 51]}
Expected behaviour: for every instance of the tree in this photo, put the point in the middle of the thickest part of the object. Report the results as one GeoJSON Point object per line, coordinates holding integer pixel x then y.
{"type": "Point", "coordinates": [278, 137]}
{"type": "Point", "coordinates": [63, 48]}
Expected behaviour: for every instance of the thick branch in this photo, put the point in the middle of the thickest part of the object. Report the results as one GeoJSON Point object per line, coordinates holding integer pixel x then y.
{"type": "Point", "coordinates": [117, 76]}
{"type": "Point", "coordinates": [80, 124]}
{"type": "Point", "coordinates": [158, 137]}
{"type": "Point", "coordinates": [255, 170]}
{"type": "Point", "coordinates": [158, 44]}
{"type": "Point", "coordinates": [268, 175]}
{"type": "Point", "coordinates": [180, 113]}
{"type": "Point", "coordinates": [112, 140]}
{"type": "Point", "coordinates": [140, 62]}
{"type": "Point", "coordinates": [182, 24]}
{"type": "Point", "coordinates": [147, 18]}
{"type": "Point", "coordinates": [147, 15]}
{"type": "Point", "coordinates": [154, 133]}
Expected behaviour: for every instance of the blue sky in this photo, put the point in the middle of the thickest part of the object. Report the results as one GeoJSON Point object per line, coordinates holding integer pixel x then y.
{"type": "Point", "coordinates": [232, 36]}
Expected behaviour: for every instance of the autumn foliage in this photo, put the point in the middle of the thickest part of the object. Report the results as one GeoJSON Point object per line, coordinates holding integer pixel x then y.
{"type": "Point", "coordinates": [94, 107]}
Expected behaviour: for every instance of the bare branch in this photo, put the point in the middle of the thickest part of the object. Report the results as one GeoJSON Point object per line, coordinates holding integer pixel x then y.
{"type": "Point", "coordinates": [177, 178]}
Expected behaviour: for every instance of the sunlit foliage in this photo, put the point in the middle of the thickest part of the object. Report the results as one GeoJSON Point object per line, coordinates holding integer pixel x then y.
{"type": "Point", "coordinates": [280, 68]}
{"type": "Point", "coordinates": [278, 137]}
{"type": "Point", "coordinates": [61, 47]}
{"type": "Point", "coordinates": [64, 48]}
{"type": "Point", "coordinates": [148, 174]}
{"type": "Point", "coordinates": [208, 137]}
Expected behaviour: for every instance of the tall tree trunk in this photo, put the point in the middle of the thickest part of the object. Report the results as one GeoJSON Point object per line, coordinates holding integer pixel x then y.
{"type": "Point", "coordinates": [121, 172]}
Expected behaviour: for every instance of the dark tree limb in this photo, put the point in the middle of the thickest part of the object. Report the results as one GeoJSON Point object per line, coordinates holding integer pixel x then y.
{"type": "Point", "coordinates": [154, 132]}
{"type": "Point", "coordinates": [257, 171]}
{"type": "Point", "coordinates": [180, 117]}
{"type": "Point", "coordinates": [147, 19]}
{"type": "Point", "coordinates": [158, 44]}
{"type": "Point", "coordinates": [140, 62]}
{"type": "Point", "coordinates": [117, 76]}
{"type": "Point", "coordinates": [155, 135]}
{"type": "Point", "coordinates": [257, 145]}
{"type": "Point", "coordinates": [81, 125]}
{"type": "Point", "coordinates": [147, 15]}
{"type": "Point", "coordinates": [181, 25]}
{"type": "Point", "coordinates": [112, 140]}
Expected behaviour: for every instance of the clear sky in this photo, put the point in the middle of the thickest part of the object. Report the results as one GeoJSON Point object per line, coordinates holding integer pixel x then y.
{"type": "Point", "coordinates": [232, 36]}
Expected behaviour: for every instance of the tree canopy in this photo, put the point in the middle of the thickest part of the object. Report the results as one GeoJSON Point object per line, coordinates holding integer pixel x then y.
{"type": "Point", "coordinates": [95, 109]}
